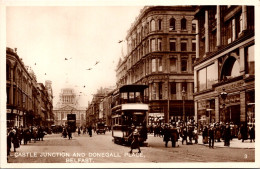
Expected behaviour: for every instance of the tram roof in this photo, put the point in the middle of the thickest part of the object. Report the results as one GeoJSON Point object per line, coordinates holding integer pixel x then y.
{"type": "Point", "coordinates": [132, 88]}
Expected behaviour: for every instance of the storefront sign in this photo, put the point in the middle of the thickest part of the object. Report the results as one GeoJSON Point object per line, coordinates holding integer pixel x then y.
{"type": "Point", "coordinates": [230, 86]}
{"type": "Point", "coordinates": [155, 109]}
{"type": "Point", "coordinates": [231, 99]}
{"type": "Point", "coordinates": [203, 104]}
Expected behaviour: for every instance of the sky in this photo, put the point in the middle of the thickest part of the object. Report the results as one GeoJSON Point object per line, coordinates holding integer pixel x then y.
{"type": "Point", "coordinates": [45, 35]}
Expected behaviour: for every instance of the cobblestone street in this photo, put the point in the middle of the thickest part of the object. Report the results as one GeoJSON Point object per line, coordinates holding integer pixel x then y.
{"type": "Point", "coordinates": [101, 149]}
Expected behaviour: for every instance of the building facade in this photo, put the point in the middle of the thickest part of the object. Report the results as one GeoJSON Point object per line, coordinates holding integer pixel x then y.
{"type": "Point", "coordinates": [161, 48]}
{"type": "Point", "coordinates": [68, 104]}
{"type": "Point", "coordinates": [25, 100]}
{"type": "Point", "coordinates": [224, 70]}
{"type": "Point", "coordinates": [99, 109]}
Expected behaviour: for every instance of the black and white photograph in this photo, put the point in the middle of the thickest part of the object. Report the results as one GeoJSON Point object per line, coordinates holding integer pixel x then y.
{"type": "Point", "coordinates": [128, 85]}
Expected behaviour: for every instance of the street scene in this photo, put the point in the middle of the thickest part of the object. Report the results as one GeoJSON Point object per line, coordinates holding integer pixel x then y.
{"type": "Point", "coordinates": [130, 84]}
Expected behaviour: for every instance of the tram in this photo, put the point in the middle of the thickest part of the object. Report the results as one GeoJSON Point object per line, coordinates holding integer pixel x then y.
{"type": "Point", "coordinates": [129, 112]}
{"type": "Point", "coordinates": [71, 122]}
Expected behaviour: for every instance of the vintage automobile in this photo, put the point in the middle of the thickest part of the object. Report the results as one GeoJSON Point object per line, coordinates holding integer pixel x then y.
{"type": "Point", "coordinates": [101, 128]}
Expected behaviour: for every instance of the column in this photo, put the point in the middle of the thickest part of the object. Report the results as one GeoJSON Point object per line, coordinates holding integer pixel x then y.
{"type": "Point", "coordinates": [242, 106]}
{"type": "Point", "coordinates": [217, 117]}
{"type": "Point", "coordinates": [242, 60]}
{"type": "Point", "coordinates": [244, 14]}
{"type": "Point", "coordinates": [218, 27]}
{"type": "Point", "coordinates": [197, 40]}
{"type": "Point", "coordinates": [206, 32]}
{"type": "Point", "coordinates": [196, 111]}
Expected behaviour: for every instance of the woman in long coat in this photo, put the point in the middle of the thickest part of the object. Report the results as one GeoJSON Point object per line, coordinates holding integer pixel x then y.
{"type": "Point", "coordinates": [166, 135]}
{"type": "Point", "coordinates": [227, 135]}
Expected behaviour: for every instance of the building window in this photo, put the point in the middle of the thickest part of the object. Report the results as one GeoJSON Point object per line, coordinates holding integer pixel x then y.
{"type": "Point", "coordinates": [193, 26]}
{"type": "Point", "coordinates": [159, 44]}
{"type": "Point", "coordinates": [184, 65]}
{"type": "Point", "coordinates": [183, 45]}
{"type": "Point", "coordinates": [202, 79]}
{"type": "Point", "coordinates": [159, 64]}
{"type": "Point", "coordinates": [193, 45]}
{"type": "Point", "coordinates": [8, 72]}
{"type": "Point", "coordinates": [154, 65]}
{"type": "Point", "coordinates": [250, 60]}
{"type": "Point", "coordinates": [160, 90]}
{"type": "Point", "coordinates": [173, 67]}
{"type": "Point", "coordinates": [172, 24]}
{"type": "Point", "coordinates": [230, 69]}
{"type": "Point", "coordinates": [172, 45]}
{"type": "Point", "coordinates": [154, 91]}
{"type": "Point", "coordinates": [206, 77]}
{"type": "Point", "coordinates": [152, 25]}
{"type": "Point", "coordinates": [152, 45]}
{"type": "Point", "coordinates": [183, 24]}
{"type": "Point", "coordinates": [184, 86]}
{"type": "Point", "coordinates": [173, 88]}
{"type": "Point", "coordinates": [159, 24]}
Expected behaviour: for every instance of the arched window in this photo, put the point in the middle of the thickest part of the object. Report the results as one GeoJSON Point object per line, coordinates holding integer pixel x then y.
{"type": "Point", "coordinates": [172, 24]}
{"type": "Point", "coordinates": [183, 24]}
{"type": "Point", "coordinates": [152, 25]}
{"type": "Point", "coordinates": [231, 69]}
{"type": "Point", "coordinates": [159, 24]}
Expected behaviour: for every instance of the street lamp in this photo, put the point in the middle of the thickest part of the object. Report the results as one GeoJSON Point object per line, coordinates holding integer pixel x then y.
{"type": "Point", "coordinates": [223, 96]}
{"type": "Point", "coordinates": [183, 103]}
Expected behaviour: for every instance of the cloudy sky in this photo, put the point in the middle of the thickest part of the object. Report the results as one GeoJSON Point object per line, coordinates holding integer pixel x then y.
{"type": "Point", "coordinates": [45, 36]}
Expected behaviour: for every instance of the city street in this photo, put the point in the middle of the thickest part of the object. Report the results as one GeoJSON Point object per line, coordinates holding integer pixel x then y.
{"type": "Point", "coordinates": [101, 149]}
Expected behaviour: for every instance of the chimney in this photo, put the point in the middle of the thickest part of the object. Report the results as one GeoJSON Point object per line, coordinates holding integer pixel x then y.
{"type": "Point", "coordinates": [15, 50]}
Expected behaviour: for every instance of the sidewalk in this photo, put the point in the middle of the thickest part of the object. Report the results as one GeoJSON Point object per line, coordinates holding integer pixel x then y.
{"type": "Point", "coordinates": [235, 143]}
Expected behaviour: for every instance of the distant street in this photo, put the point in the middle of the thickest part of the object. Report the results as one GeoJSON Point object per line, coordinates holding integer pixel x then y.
{"type": "Point", "coordinates": [101, 149]}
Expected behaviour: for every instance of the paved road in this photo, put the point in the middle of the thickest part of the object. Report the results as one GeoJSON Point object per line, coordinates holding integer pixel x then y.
{"type": "Point", "coordinates": [101, 149]}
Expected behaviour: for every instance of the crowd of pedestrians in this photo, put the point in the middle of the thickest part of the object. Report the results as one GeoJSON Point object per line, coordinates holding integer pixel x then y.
{"type": "Point", "coordinates": [16, 135]}
{"type": "Point", "coordinates": [189, 132]}
{"type": "Point", "coordinates": [67, 131]}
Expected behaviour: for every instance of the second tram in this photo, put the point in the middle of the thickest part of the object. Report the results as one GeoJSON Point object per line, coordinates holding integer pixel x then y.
{"type": "Point", "coordinates": [129, 112]}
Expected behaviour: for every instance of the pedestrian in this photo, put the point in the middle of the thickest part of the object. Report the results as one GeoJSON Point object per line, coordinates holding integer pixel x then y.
{"type": "Point", "coordinates": [69, 133]}
{"type": "Point", "coordinates": [211, 136]}
{"type": "Point", "coordinates": [252, 133]}
{"type": "Point", "coordinates": [243, 131]}
{"type": "Point", "coordinates": [205, 135]}
{"type": "Point", "coordinates": [90, 131]}
{"type": "Point", "coordinates": [78, 131]}
{"type": "Point", "coordinates": [227, 135]}
{"type": "Point", "coordinates": [174, 135]}
{"type": "Point", "coordinates": [166, 135]}
{"type": "Point", "coordinates": [217, 133]}
{"type": "Point", "coordinates": [135, 141]}
{"type": "Point", "coordinates": [195, 135]}
{"type": "Point", "coordinates": [190, 134]}
{"type": "Point", "coordinates": [184, 135]}
{"type": "Point", "coordinates": [10, 135]}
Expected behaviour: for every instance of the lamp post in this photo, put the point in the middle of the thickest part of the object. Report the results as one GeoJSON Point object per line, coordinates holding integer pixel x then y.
{"type": "Point", "coordinates": [223, 96]}
{"type": "Point", "coordinates": [183, 104]}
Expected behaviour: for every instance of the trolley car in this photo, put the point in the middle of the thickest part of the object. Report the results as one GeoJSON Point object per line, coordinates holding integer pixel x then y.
{"type": "Point", "coordinates": [129, 112]}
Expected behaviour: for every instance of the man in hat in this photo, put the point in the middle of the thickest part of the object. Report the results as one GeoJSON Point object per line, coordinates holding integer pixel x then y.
{"type": "Point", "coordinates": [166, 135]}
{"type": "Point", "coordinates": [211, 136]}
{"type": "Point", "coordinates": [135, 143]}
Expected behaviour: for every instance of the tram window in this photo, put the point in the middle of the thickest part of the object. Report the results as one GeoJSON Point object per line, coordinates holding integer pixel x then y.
{"type": "Point", "coordinates": [124, 97]}
{"type": "Point", "coordinates": [138, 97]}
{"type": "Point", "coordinates": [131, 96]}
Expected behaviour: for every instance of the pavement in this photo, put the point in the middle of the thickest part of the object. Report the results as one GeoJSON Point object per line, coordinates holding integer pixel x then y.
{"type": "Point", "coordinates": [234, 143]}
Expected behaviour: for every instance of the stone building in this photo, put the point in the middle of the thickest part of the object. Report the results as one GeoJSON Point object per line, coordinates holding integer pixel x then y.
{"type": "Point", "coordinates": [161, 50]}
{"type": "Point", "coordinates": [99, 109]}
{"type": "Point", "coordinates": [25, 100]}
{"type": "Point", "coordinates": [224, 70]}
{"type": "Point", "coordinates": [68, 104]}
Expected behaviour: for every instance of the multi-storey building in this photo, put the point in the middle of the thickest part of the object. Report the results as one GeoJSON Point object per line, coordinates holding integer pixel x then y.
{"type": "Point", "coordinates": [161, 50]}
{"type": "Point", "coordinates": [99, 110]}
{"type": "Point", "coordinates": [224, 70]}
{"type": "Point", "coordinates": [68, 104]}
{"type": "Point", "coordinates": [24, 101]}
